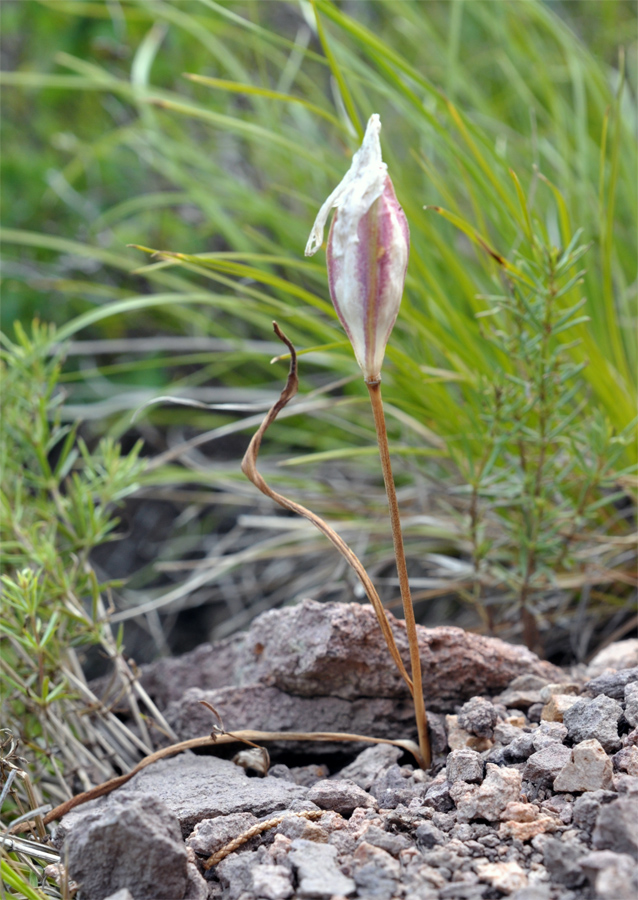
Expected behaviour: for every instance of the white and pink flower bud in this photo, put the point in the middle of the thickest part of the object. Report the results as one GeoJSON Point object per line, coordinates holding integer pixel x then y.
{"type": "Point", "coordinates": [367, 252]}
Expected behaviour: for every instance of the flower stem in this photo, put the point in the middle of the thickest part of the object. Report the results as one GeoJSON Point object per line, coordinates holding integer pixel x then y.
{"type": "Point", "coordinates": [408, 610]}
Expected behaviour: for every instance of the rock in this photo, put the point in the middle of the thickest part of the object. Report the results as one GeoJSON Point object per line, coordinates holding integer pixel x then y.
{"type": "Point", "coordinates": [437, 796]}
{"type": "Point", "coordinates": [337, 649]}
{"type": "Point", "coordinates": [520, 748]}
{"type": "Point", "coordinates": [597, 718]}
{"type": "Point", "coordinates": [458, 737]}
{"type": "Point", "coordinates": [266, 708]}
{"type": "Point", "coordinates": [613, 684]}
{"type": "Point", "coordinates": [203, 787]}
{"type": "Point", "coordinates": [564, 687]}
{"type": "Point", "coordinates": [235, 874]}
{"type": "Point", "coordinates": [544, 765]}
{"type": "Point", "coordinates": [532, 892]}
{"type": "Point", "coordinates": [620, 655]}
{"type": "Point", "coordinates": [626, 760]}
{"type": "Point", "coordinates": [272, 882]}
{"type": "Point", "coordinates": [589, 769]}
{"type": "Point", "coordinates": [524, 821]}
{"type": "Point", "coordinates": [500, 787]}
{"type": "Point", "coordinates": [587, 807]}
{"type": "Point", "coordinates": [612, 875]}
{"type": "Point", "coordinates": [210, 835]}
{"type": "Point", "coordinates": [370, 764]}
{"type": "Point", "coordinates": [464, 765]}
{"type": "Point", "coordinates": [395, 786]}
{"type": "Point", "coordinates": [523, 692]}
{"type": "Point", "coordinates": [341, 795]}
{"type": "Point", "coordinates": [504, 876]}
{"type": "Point", "coordinates": [391, 843]}
{"type": "Point", "coordinates": [626, 784]}
{"type": "Point", "coordinates": [557, 706]}
{"type": "Point", "coordinates": [631, 703]}
{"type": "Point", "coordinates": [478, 716]}
{"type": "Point", "coordinates": [548, 733]}
{"type": "Point", "coordinates": [133, 841]}
{"type": "Point", "coordinates": [196, 886]}
{"type": "Point", "coordinates": [123, 894]}
{"type": "Point", "coordinates": [562, 860]}
{"type": "Point", "coordinates": [376, 872]}
{"type": "Point", "coordinates": [617, 827]}
{"type": "Point", "coordinates": [428, 835]}
{"type": "Point", "coordinates": [317, 871]}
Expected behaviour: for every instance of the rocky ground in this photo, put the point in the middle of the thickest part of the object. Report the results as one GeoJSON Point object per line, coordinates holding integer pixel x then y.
{"type": "Point", "coordinates": [533, 794]}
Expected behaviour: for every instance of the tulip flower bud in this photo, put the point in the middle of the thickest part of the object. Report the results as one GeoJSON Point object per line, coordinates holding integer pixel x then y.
{"type": "Point", "coordinates": [367, 252]}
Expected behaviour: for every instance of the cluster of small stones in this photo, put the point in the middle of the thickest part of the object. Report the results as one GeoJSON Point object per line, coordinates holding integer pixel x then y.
{"type": "Point", "coordinates": [535, 797]}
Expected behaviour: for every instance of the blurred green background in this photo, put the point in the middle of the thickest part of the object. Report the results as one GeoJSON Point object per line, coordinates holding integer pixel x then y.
{"type": "Point", "coordinates": [106, 143]}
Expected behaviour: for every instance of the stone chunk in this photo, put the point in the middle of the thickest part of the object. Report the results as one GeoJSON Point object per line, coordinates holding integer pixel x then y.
{"type": "Point", "coordinates": [631, 703]}
{"type": "Point", "coordinates": [319, 876]}
{"type": "Point", "coordinates": [504, 876]}
{"type": "Point", "coordinates": [589, 769]}
{"type": "Point", "coordinates": [337, 649]}
{"type": "Point", "coordinates": [562, 860]}
{"type": "Point", "coordinates": [563, 687]}
{"type": "Point", "coordinates": [464, 765]}
{"type": "Point", "coordinates": [133, 841]}
{"type": "Point", "coordinates": [524, 821]}
{"type": "Point", "coordinates": [210, 835]}
{"type": "Point", "coordinates": [478, 716]}
{"type": "Point", "coordinates": [376, 872]}
{"type": "Point", "coordinates": [613, 684]}
{"type": "Point", "coordinates": [428, 835]}
{"type": "Point", "coordinates": [626, 760]}
{"type": "Point", "coordinates": [613, 876]}
{"type": "Point", "coordinates": [587, 807]}
{"type": "Point", "coordinates": [272, 882]}
{"type": "Point", "coordinates": [458, 737]}
{"type": "Point", "coordinates": [557, 706]}
{"type": "Point", "coordinates": [597, 718]}
{"type": "Point", "coordinates": [548, 733]}
{"type": "Point", "coordinates": [370, 764]}
{"type": "Point", "coordinates": [438, 797]}
{"type": "Point", "coordinates": [617, 827]}
{"type": "Point", "coordinates": [341, 795]}
{"type": "Point", "coordinates": [500, 787]}
{"type": "Point", "coordinates": [523, 692]}
{"type": "Point", "coordinates": [203, 787]}
{"type": "Point", "coordinates": [544, 765]}
{"type": "Point", "coordinates": [123, 894]}
{"type": "Point", "coordinates": [520, 749]}
{"type": "Point", "coordinates": [619, 655]}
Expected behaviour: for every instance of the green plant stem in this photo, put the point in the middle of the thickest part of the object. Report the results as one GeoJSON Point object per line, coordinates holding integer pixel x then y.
{"type": "Point", "coordinates": [374, 389]}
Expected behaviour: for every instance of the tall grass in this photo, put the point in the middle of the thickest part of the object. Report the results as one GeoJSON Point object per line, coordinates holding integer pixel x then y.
{"type": "Point", "coordinates": [221, 127]}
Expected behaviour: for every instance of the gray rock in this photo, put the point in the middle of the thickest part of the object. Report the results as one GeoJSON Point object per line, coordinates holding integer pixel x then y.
{"type": "Point", "coordinates": [619, 655]}
{"type": "Point", "coordinates": [520, 749]}
{"type": "Point", "coordinates": [428, 835]}
{"type": "Point", "coordinates": [523, 692]}
{"type": "Point", "coordinates": [544, 765]}
{"type": "Point", "coordinates": [376, 872]}
{"type": "Point", "coordinates": [464, 765]}
{"type": "Point", "coordinates": [267, 708]}
{"type": "Point", "coordinates": [631, 703]}
{"type": "Point", "coordinates": [272, 882]}
{"type": "Point", "coordinates": [532, 892]}
{"type": "Point", "coordinates": [589, 769]}
{"type": "Point", "coordinates": [123, 894]}
{"type": "Point", "coordinates": [203, 787]}
{"type": "Point", "coordinates": [478, 716]}
{"type": "Point", "coordinates": [626, 760]}
{"type": "Point", "coordinates": [548, 733]}
{"type": "Point", "coordinates": [235, 874]}
{"type": "Point", "coordinates": [391, 843]}
{"type": "Point", "coordinates": [133, 842]}
{"type": "Point", "coordinates": [617, 827]}
{"type": "Point", "coordinates": [395, 786]}
{"type": "Point", "coordinates": [613, 684]}
{"type": "Point", "coordinates": [342, 796]}
{"type": "Point", "coordinates": [370, 764]}
{"type": "Point", "coordinates": [613, 876]}
{"type": "Point", "coordinates": [562, 861]}
{"type": "Point", "coordinates": [587, 807]}
{"type": "Point", "coordinates": [210, 835]}
{"type": "Point", "coordinates": [438, 797]}
{"type": "Point", "coordinates": [597, 718]}
{"type": "Point", "coordinates": [317, 870]}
